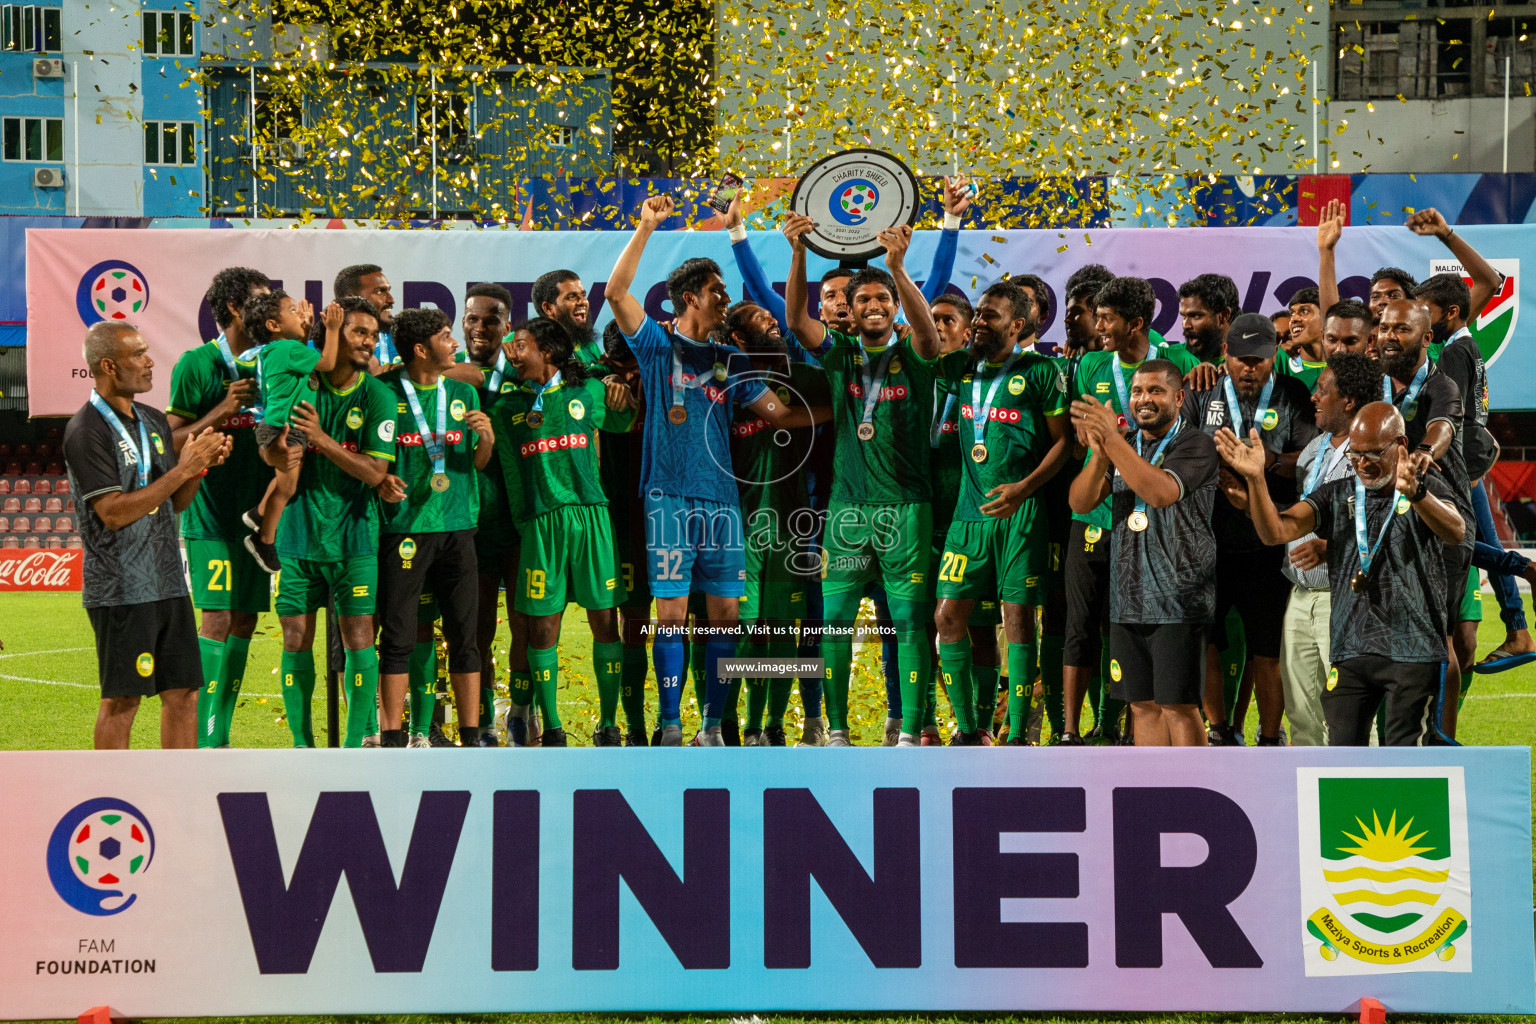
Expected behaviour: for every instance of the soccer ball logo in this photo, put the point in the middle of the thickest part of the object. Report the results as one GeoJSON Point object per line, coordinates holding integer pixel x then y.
{"type": "Point", "coordinates": [97, 855]}
{"type": "Point", "coordinates": [853, 201]}
{"type": "Point", "coordinates": [111, 290]}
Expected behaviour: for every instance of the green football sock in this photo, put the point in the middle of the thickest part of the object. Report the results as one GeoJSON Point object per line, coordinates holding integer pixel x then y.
{"type": "Point", "coordinates": [423, 686]}
{"type": "Point", "coordinates": [914, 660]}
{"type": "Point", "coordinates": [298, 674]}
{"type": "Point", "coordinates": [1051, 648]}
{"type": "Point", "coordinates": [1233, 659]}
{"type": "Point", "coordinates": [960, 682]}
{"type": "Point", "coordinates": [522, 687]}
{"type": "Point", "coordinates": [778, 690]}
{"type": "Point", "coordinates": [609, 661]}
{"type": "Point", "coordinates": [211, 653]}
{"type": "Point", "coordinates": [757, 702]}
{"type": "Point", "coordinates": [632, 686]}
{"type": "Point", "coordinates": [697, 668]}
{"type": "Point", "coordinates": [931, 701]}
{"type": "Point", "coordinates": [361, 683]}
{"type": "Point", "coordinates": [231, 673]}
{"type": "Point", "coordinates": [544, 666]}
{"type": "Point", "coordinates": [841, 610]}
{"type": "Point", "coordinates": [987, 678]}
{"type": "Point", "coordinates": [1021, 687]}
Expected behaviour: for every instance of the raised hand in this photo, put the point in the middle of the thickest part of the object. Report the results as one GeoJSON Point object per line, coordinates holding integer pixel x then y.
{"type": "Point", "coordinates": [334, 316]}
{"type": "Point", "coordinates": [957, 195]}
{"type": "Point", "coordinates": [1330, 225]}
{"type": "Point", "coordinates": [1428, 221]}
{"type": "Point", "coordinates": [896, 241]}
{"type": "Point", "coordinates": [795, 227]}
{"type": "Point", "coordinates": [655, 210]}
{"type": "Point", "coordinates": [1245, 457]}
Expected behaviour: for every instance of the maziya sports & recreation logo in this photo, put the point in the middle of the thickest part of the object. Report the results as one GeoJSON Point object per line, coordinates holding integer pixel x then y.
{"type": "Point", "coordinates": [111, 290]}
{"type": "Point", "coordinates": [1386, 882]}
{"type": "Point", "coordinates": [1493, 328]}
{"type": "Point", "coordinates": [98, 853]}
{"type": "Point", "coordinates": [853, 201]}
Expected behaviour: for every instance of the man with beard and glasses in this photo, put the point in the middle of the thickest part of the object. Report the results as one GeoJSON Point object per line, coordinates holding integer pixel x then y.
{"type": "Point", "coordinates": [1013, 438]}
{"type": "Point", "coordinates": [560, 296]}
{"type": "Point", "coordinates": [1248, 575]}
{"type": "Point", "coordinates": [1430, 403]}
{"type": "Point", "coordinates": [1305, 355]}
{"type": "Point", "coordinates": [1347, 328]}
{"type": "Point", "coordinates": [1207, 304]}
{"type": "Point", "coordinates": [1387, 531]}
{"type": "Point", "coordinates": [1123, 310]}
{"type": "Point", "coordinates": [775, 507]}
{"type": "Point", "coordinates": [693, 513]}
{"type": "Point", "coordinates": [1160, 476]}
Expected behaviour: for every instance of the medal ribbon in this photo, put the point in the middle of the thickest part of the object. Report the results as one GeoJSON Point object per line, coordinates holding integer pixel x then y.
{"type": "Point", "coordinates": [1410, 395]}
{"type": "Point", "coordinates": [1236, 411]}
{"type": "Point", "coordinates": [110, 415]}
{"type": "Point", "coordinates": [498, 373]}
{"type": "Point", "coordinates": [680, 389]}
{"type": "Point", "coordinates": [1116, 373]}
{"type": "Point", "coordinates": [382, 346]}
{"type": "Point", "coordinates": [936, 431]}
{"type": "Point", "coordinates": [979, 411]}
{"type": "Point", "coordinates": [1319, 472]}
{"type": "Point", "coordinates": [1141, 503]}
{"type": "Point", "coordinates": [872, 387]}
{"type": "Point", "coordinates": [1368, 554]}
{"type": "Point", "coordinates": [434, 445]}
{"type": "Point", "coordinates": [538, 392]}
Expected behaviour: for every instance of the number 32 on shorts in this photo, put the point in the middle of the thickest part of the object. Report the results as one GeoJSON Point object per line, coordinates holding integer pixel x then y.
{"type": "Point", "coordinates": [669, 564]}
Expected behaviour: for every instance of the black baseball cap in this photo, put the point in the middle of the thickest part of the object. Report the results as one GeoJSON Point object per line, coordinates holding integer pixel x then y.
{"type": "Point", "coordinates": [1252, 335]}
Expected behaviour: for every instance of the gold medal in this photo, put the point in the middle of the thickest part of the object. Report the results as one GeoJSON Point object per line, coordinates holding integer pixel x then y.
{"type": "Point", "coordinates": [866, 431]}
{"type": "Point", "coordinates": [439, 482]}
{"type": "Point", "coordinates": [1358, 584]}
{"type": "Point", "coordinates": [534, 419]}
{"type": "Point", "coordinates": [979, 453]}
{"type": "Point", "coordinates": [720, 373]}
{"type": "Point", "coordinates": [1137, 521]}
{"type": "Point", "coordinates": [677, 414]}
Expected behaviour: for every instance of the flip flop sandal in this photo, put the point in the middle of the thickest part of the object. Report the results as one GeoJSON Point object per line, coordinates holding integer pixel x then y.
{"type": "Point", "coordinates": [1500, 660]}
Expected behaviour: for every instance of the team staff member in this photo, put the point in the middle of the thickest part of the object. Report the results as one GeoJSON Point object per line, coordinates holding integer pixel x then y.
{"type": "Point", "coordinates": [1248, 575]}
{"type": "Point", "coordinates": [429, 519]}
{"type": "Point", "coordinates": [131, 486]}
{"type": "Point", "coordinates": [1013, 437]}
{"type": "Point", "coordinates": [1387, 566]}
{"type": "Point", "coordinates": [1347, 384]}
{"type": "Point", "coordinates": [328, 537]}
{"type": "Point", "coordinates": [1161, 478]}
{"type": "Point", "coordinates": [228, 587]}
{"type": "Point", "coordinates": [548, 428]}
{"type": "Point", "coordinates": [1123, 311]}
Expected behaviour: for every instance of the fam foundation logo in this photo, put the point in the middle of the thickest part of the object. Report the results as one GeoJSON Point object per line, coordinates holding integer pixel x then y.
{"type": "Point", "coordinates": [1492, 328]}
{"type": "Point", "coordinates": [111, 290]}
{"type": "Point", "coordinates": [98, 853]}
{"type": "Point", "coordinates": [853, 201]}
{"type": "Point", "coordinates": [1386, 884]}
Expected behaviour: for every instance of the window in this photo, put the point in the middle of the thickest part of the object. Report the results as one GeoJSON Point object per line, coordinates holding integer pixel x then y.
{"type": "Point", "coordinates": [170, 143]}
{"type": "Point", "coordinates": [33, 139]}
{"type": "Point", "coordinates": [168, 34]}
{"type": "Point", "coordinates": [562, 136]}
{"type": "Point", "coordinates": [30, 29]}
{"type": "Point", "coordinates": [455, 142]}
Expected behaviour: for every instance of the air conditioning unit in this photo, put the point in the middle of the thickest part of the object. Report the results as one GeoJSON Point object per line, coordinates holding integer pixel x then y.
{"type": "Point", "coordinates": [47, 67]}
{"type": "Point", "coordinates": [290, 149]}
{"type": "Point", "coordinates": [47, 177]}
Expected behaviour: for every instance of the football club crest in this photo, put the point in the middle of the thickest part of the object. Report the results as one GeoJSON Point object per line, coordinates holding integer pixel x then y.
{"type": "Point", "coordinates": [1386, 884]}
{"type": "Point", "coordinates": [853, 196]}
{"type": "Point", "coordinates": [354, 418]}
{"type": "Point", "coordinates": [456, 408]}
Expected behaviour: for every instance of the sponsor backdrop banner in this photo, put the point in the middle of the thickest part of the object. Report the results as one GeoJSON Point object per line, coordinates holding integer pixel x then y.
{"type": "Point", "coordinates": [178, 884]}
{"type": "Point", "coordinates": [157, 278]}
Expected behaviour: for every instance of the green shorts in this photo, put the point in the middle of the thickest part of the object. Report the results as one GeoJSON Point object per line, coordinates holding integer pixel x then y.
{"type": "Point", "coordinates": [568, 554]}
{"type": "Point", "coordinates": [774, 589]}
{"type": "Point", "coordinates": [998, 559]}
{"type": "Point", "coordinates": [888, 543]}
{"type": "Point", "coordinates": [303, 585]}
{"type": "Point", "coordinates": [1472, 600]}
{"type": "Point", "coordinates": [630, 544]}
{"type": "Point", "coordinates": [226, 578]}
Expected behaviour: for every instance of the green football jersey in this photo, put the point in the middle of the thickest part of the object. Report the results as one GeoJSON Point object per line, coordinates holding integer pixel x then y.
{"type": "Point", "coordinates": [199, 382]}
{"type": "Point", "coordinates": [494, 513]}
{"type": "Point", "coordinates": [770, 474]}
{"type": "Point", "coordinates": [1094, 378]}
{"type": "Point", "coordinates": [282, 367]}
{"type": "Point", "coordinates": [1303, 370]}
{"type": "Point", "coordinates": [333, 515]}
{"type": "Point", "coordinates": [892, 467]}
{"type": "Point", "coordinates": [554, 464]}
{"type": "Point", "coordinates": [1015, 432]}
{"type": "Point", "coordinates": [944, 456]}
{"type": "Point", "coordinates": [425, 510]}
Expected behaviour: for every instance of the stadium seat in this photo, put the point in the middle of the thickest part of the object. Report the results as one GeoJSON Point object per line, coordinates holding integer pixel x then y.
{"type": "Point", "coordinates": [53, 505]}
{"type": "Point", "coordinates": [31, 543]}
{"type": "Point", "coordinates": [23, 451]}
{"type": "Point", "coordinates": [42, 524]}
{"type": "Point", "coordinates": [5, 525]}
{"type": "Point", "coordinates": [5, 486]}
{"type": "Point", "coordinates": [74, 543]}
{"type": "Point", "coordinates": [64, 524]}
{"type": "Point", "coordinates": [33, 469]}
{"type": "Point", "coordinates": [44, 486]}
{"type": "Point", "coordinates": [61, 485]}
{"type": "Point", "coordinates": [11, 506]}
{"type": "Point", "coordinates": [54, 469]}
{"type": "Point", "coordinates": [53, 543]}
{"type": "Point", "coordinates": [13, 469]}
{"type": "Point", "coordinates": [22, 487]}
{"type": "Point", "coordinates": [5, 451]}
{"type": "Point", "coordinates": [10, 543]}
{"type": "Point", "coordinates": [32, 506]}
{"type": "Point", "coordinates": [69, 505]}
{"type": "Point", "coordinates": [54, 432]}
{"type": "Point", "coordinates": [21, 524]}
{"type": "Point", "coordinates": [43, 451]}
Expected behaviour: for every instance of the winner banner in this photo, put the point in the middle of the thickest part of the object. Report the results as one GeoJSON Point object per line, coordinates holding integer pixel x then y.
{"type": "Point", "coordinates": [1303, 879]}
{"type": "Point", "coordinates": [157, 279]}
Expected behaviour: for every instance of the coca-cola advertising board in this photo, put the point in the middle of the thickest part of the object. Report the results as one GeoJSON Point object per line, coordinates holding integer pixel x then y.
{"type": "Point", "coordinates": [40, 570]}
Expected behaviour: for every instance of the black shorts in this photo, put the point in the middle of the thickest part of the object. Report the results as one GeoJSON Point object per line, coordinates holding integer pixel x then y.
{"type": "Point", "coordinates": [1087, 572]}
{"type": "Point", "coordinates": [145, 649]}
{"type": "Point", "coordinates": [1358, 687]}
{"type": "Point", "coordinates": [1251, 582]}
{"type": "Point", "coordinates": [1164, 663]}
{"type": "Point", "coordinates": [1458, 561]}
{"type": "Point", "coordinates": [443, 564]}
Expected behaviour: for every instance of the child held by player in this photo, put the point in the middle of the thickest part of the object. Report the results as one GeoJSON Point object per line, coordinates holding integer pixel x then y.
{"type": "Point", "coordinates": [283, 364]}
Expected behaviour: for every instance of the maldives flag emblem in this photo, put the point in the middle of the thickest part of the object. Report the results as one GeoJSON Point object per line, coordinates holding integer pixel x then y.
{"type": "Point", "coordinates": [1386, 882]}
{"type": "Point", "coordinates": [1495, 325]}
